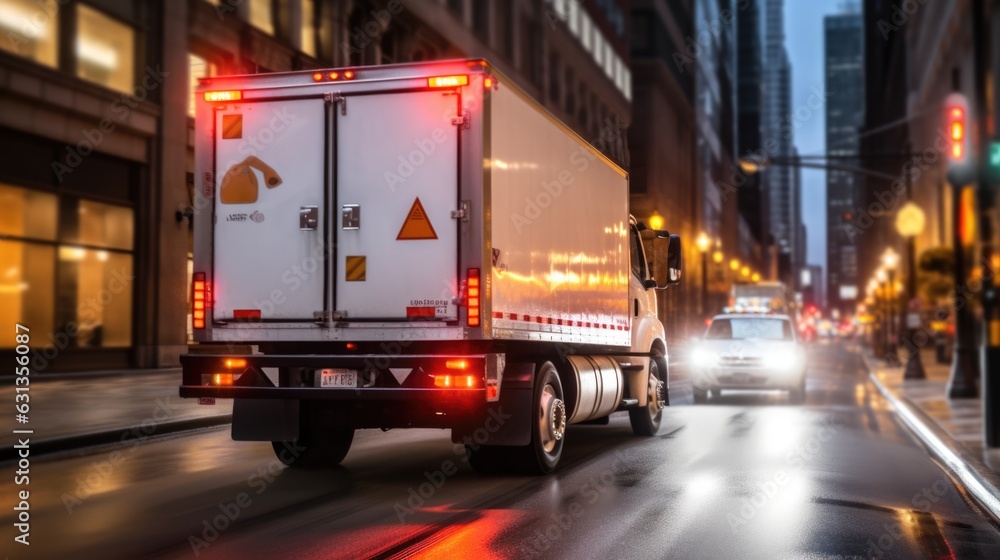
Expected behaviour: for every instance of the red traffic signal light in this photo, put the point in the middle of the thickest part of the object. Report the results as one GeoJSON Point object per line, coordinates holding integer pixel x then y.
{"type": "Point", "coordinates": [961, 170]}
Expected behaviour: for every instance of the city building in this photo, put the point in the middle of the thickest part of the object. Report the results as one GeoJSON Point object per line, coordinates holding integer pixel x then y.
{"type": "Point", "coordinates": [843, 43]}
{"type": "Point", "coordinates": [96, 130]}
{"type": "Point", "coordinates": [778, 141]}
{"type": "Point", "coordinates": [885, 139]}
{"type": "Point", "coordinates": [753, 200]}
{"type": "Point", "coordinates": [662, 142]}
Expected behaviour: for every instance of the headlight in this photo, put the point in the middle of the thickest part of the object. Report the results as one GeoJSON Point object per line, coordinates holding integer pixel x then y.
{"type": "Point", "coordinates": [703, 358]}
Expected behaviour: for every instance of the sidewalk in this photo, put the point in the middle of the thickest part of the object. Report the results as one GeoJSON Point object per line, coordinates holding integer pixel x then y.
{"type": "Point", "coordinates": [69, 412]}
{"type": "Point", "coordinates": [952, 430]}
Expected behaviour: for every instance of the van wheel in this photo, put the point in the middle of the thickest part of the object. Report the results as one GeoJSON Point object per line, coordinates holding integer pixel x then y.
{"type": "Point", "coordinates": [320, 445]}
{"type": "Point", "coordinates": [646, 420]}
{"type": "Point", "coordinates": [548, 426]}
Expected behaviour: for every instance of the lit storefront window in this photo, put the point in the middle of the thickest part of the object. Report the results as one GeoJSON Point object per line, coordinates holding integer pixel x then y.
{"type": "Point", "coordinates": [29, 29]}
{"type": "Point", "coordinates": [308, 27]}
{"type": "Point", "coordinates": [105, 50]}
{"type": "Point", "coordinates": [261, 16]}
{"type": "Point", "coordinates": [198, 68]}
{"type": "Point", "coordinates": [66, 269]}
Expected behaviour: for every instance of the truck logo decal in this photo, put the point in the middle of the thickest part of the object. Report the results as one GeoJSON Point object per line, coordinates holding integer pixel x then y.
{"type": "Point", "coordinates": [257, 216]}
{"type": "Point", "coordinates": [417, 225]}
{"type": "Point", "coordinates": [239, 184]}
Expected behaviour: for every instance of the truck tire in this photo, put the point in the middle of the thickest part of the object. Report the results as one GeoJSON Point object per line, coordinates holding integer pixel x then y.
{"type": "Point", "coordinates": [321, 443]}
{"type": "Point", "coordinates": [646, 420]}
{"type": "Point", "coordinates": [548, 426]}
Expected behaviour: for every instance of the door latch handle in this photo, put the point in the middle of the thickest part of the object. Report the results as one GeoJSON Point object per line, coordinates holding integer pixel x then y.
{"type": "Point", "coordinates": [308, 218]}
{"type": "Point", "coordinates": [351, 216]}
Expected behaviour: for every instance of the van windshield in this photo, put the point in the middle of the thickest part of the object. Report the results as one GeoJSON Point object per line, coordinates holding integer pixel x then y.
{"type": "Point", "coordinates": [750, 327]}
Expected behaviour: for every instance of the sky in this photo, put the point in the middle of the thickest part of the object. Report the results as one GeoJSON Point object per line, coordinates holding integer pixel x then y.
{"type": "Point", "coordinates": [804, 42]}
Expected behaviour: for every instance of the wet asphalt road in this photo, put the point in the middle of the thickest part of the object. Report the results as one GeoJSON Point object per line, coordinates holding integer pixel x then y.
{"type": "Point", "coordinates": [746, 476]}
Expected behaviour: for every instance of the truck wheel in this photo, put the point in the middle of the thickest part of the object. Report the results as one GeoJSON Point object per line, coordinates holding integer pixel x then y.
{"type": "Point", "coordinates": [646, 421]}
{"type": "Point", "coordinates": [548, 426]}
{"type": "Point", "coordinates": [320, 444]}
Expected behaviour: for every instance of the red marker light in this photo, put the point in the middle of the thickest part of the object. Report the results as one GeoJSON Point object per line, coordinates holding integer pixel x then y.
{"type": "Point", "coordinates": [349, 75]}
{"type": "Point", "coordinates": [334, 75]}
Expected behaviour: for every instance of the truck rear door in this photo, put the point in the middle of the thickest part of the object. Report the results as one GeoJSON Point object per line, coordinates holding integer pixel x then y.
{"type": "Point", "coordinates": [396, 183]}
{"type": "Point", "coordinates": [270, 170]}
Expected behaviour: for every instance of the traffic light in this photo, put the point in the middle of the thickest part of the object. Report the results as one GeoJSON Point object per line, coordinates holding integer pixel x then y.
{"type": "Point", "coordinates": [961, 169]}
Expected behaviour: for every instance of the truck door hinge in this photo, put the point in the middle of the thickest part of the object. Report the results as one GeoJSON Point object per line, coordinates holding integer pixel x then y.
{"type": "Point", "coordinates": [334, 98]}
{"type": "Point", "coordinates": [462, 213]}
{"type": "Point", "coordinates": [462, 120]}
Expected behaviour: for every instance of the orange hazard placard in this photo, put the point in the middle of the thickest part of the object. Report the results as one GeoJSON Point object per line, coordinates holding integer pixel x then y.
{"type": "Point", "coordinates": [417, 226]}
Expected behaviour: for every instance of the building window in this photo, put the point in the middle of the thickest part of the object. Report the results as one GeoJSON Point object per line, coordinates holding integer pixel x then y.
{"type": "Point", "coordinates": [309, 27]}
{"type": "Point", "coordinates": [555, 79]}
{"type": "Point", "coordinates": [481, 20]}
{"type": "Point", "coordinates": [262, 15]}
{"type": "Point", "coordinates": [505, 29]}
{"type": "Point", "coordinates": [29, 28]}
{"type": "Point", "coordinates": [69, 279]}
{"type": "Point", "coordinates": [198, 68]}
{"type": "Point", "coordinates": [105, 50]}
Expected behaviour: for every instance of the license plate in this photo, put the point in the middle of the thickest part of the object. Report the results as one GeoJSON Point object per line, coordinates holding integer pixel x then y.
{"type": "Point", "coordinates": [741, 378]}
{"type": "Point", "coordinates": [338, 377]}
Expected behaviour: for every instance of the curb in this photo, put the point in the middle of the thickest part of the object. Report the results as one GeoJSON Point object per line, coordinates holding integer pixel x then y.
{"type": "Point", "coordinates": [963, 464]}
{"type": "Point", "coordinates": [111, 437]}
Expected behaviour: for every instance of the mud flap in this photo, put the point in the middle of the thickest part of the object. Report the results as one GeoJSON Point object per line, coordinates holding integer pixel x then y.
{"type": "Point", "coordinates": [265, 420]}
{"type": "Point", "coordinates": [507, 421]}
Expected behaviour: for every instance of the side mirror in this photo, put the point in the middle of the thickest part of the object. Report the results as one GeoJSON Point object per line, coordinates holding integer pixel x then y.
{"type": "Point", "coordinates": [675, 263]}
{"type": "Point", "coordinates": [667, 257]}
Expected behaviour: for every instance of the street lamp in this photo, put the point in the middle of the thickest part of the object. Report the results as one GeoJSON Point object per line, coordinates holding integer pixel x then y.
{"type": "Point", "coordinates": [656, 221]}
{"type": "Point", "coordinates": [755, 277]}
{"type": "Point", "coordinates": [717, 257]}
{"type": "Point", "coordinates": [704, 243]}
{"type": "Point", "coordinates": [890, 259]}
{"type": "Point", "coordinates": [910, 224]}
{"type": "Point", "coordinates": [883, 295]}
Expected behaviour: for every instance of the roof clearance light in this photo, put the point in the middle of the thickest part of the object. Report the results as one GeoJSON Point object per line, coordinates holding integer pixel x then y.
{"type": "Point", "coordinates": [223, 95]}
{"type": "Point", "coordinates": [349, 75]}
{"type": "Point", "coordinates": [447, 81]}
{"type": "Point", "coordinates": [334, 75]}
{"type": "Point", "coordinates": [317, 76]}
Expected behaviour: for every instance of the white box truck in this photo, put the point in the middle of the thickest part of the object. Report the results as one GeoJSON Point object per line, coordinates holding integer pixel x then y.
{"type": "Point", "coordinates": [416, 245]}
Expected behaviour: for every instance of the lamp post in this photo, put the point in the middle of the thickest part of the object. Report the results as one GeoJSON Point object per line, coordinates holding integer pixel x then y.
{"type": "Point", "coordinates": [704, 243]}
{"type": "Point", "coordinates": [890, 259]}
{"type": "Point", "coordinates": [883, 290]}
{"type": "Point", "coordinates": [872, 301]}
{"type": "Point", "coordinates": [909, 224]}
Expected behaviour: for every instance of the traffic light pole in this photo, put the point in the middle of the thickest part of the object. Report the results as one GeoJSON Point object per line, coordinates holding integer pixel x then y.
{"type": "Point", "coordinates": [987, 206]}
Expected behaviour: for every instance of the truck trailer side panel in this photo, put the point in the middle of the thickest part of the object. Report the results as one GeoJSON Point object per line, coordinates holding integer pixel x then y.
{"type": "Point", "coordinates": [559, 225]}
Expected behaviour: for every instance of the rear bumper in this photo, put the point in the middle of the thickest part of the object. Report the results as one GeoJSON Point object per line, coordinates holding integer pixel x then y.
{"type": "Point", "coordinates": [388, 401]}
{"type": "Point", "coordinates": [437, 396]}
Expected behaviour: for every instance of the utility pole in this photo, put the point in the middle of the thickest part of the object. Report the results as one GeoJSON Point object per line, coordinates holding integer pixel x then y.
{"type": "Point", "coordinates": [987, 206]}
